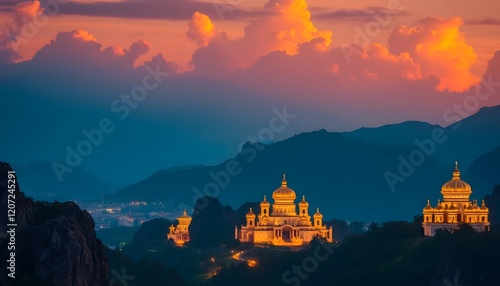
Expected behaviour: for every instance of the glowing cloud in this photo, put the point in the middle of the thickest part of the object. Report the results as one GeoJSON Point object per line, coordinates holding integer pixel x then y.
{"type": "Point", "coordinates": [439, 48]}
{"type": "Point", "coordinates": [22, 14]}
{"type": "Point", "coordinates": [283, 26]}
{"type": "Point", "coordinates": [201, 29]}
{"type": "Point", "coordinates": [79, 46]}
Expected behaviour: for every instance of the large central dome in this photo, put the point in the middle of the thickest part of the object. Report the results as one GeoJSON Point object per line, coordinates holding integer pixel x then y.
{"type": "Point", "coordinates": [456, 188]}
{"type": "Point", "coordinates": [284, 192]}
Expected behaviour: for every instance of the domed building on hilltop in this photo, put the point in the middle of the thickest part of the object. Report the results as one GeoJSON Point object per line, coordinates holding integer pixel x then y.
{"type": "Point", "coordinates": [282, 225]}
{"type": "Point", "coordinates": [180, 234]}
{"type": "Point", "coordinates": [455, 208]}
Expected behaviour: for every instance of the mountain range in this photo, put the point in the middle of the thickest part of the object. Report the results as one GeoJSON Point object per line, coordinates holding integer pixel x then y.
{"type": "Point", "coordinates": [39, 181]}
{"type": "Point", "coordinates": [375, 174]}
{"type": "Point", "coordinates": [370, 174]}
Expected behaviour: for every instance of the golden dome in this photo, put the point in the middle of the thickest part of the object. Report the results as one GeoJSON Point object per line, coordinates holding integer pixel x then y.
{"type": "Point", "coordinates": [303, 203]}
{"type": "Point", "coordinates": [184, 218]}
{"type": "Point", "coordinates": [453, 207]}
{"type": "Point", "coordinates": [318, 214]}
{"type": "Point", "coordinates": [483, 207]}
{"type": "Point", "coordinates": [265, 202]}
{"type": "Point", "coordinates": [475, 206]}
{"type": "Point", "coordinates": [428, 207]}
{"type": "Point", "coordinates": [284, 192]}
{"type": "Point", "coordinates": [439, 206]}
{"type": "Point", "coordinates": [470, 206]}
{"type": "Point", "coordinates": [250, 214]}
{"type": "Point", "coordinates": [456, 188]}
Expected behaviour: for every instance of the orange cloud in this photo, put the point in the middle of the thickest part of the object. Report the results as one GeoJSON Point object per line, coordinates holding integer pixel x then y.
{"type": "Point", "coordinates": [201, 29]}
{"type": "Point", "coordinates": [284, 25]}
{"type": "Point", "coordinates": [22, 14]}
{"type": "Point", "coordinates": [377, 63]}
{"type": "Point", "coordinates": [79, 46]}
{"type": "Point", "coordinates": [439, 48]}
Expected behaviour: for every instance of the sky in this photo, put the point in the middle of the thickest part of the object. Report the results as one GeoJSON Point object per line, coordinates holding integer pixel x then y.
{"type": "Point", "coordinates": [209, 75]}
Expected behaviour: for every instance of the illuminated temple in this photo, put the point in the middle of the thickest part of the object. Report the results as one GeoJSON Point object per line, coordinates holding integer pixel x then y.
{"type": "Point", "coordinates": [282, 225]}
{"type": "Point", "coordinates": [180, 234]}
{"type": "Point", "coordinates": [455, 208]}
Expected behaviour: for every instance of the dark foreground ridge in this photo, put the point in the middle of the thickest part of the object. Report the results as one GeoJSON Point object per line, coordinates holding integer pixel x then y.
{"type": "Point", "coordinates": [55, 243]}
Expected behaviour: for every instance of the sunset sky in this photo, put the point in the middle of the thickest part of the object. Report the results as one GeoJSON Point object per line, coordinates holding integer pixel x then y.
{"type": "Point", "coordinates": [338, 65]}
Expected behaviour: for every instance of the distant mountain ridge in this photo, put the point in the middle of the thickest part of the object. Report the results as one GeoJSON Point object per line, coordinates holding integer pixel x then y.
{"type": "Point", "coordinates": [342, 176]}
{"type": "Point", "coordinates": [39, 181]}
{"type": "Point", "coordinates": [342, 173]}
{"type": "Point", "coordinates": [485, 171]}
{"type": "Point", "coordinates": [393, 134]}
{"type": "Point", "coordinates": [465, 141]}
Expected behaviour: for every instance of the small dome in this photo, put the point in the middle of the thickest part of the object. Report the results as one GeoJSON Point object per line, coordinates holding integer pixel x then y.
{"type": "Point", "coordinates": [284, 192]}
{"type": "Point", "coordinates": [303, 203]}
{"type": "Point", "coordinates": [250, 214]}
{"type": "Point", "coordinates": [265, 202]}
{"type": "Point", "coordinates": [184, 219]}
{"type": "Point", "coordinates": [483, 207]}
{"type": "Point", "coordinates": [469, 208]}
{"type": "Point", "coordinates": [439, 206]}
{"type": "Point", "coordinates": [318, 214]}
{"type": "Point", "coordinates": [428, 207]}
{"type": "Point", "coordinates": [453, 207]}
{"type": "Point", "coordinates": [171, 227]}
{"type": "Point", "coordinates": [475, 206]}
{"type": "Point", "coordinates": [456, 188]}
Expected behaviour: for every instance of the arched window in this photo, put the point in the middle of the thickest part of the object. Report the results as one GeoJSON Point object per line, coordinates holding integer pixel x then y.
{"type": "Point", "coordinates": [250, 222]}
{"type": "Point", "coordinates": [265, 211]}
{"type": "Point", "coordinates": [303, 211]}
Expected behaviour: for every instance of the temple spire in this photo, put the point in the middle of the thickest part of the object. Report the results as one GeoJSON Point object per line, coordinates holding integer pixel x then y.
{"type": "Point", "coordinates": [456, 172]}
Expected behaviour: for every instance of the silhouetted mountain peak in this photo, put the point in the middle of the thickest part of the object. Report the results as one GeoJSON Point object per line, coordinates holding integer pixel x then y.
{"type": "Point", "coordinates": [55, 242]}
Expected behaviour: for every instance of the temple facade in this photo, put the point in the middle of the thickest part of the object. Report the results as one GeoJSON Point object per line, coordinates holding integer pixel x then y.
{"type": "Point", "coordinates": [456, 208]}
{"type": "Point", "coordinates": [281, 224]}
{"type": "Point", "coordinates": [180, 234]}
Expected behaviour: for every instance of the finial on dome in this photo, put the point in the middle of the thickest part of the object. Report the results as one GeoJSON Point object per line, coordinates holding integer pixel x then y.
{"type": "Point", "coordinates": [482, 203]}
{"type": "Point", "coordinates": [265, 199]}
{"type": "Point", "coordinates": [283, 182]}
{"type": "Point", "coordinates": [317, 210]}
{"type": "Point", "coordinates": [428, 202]}
{"type": "Point", "coordinates": [185, 213]}
{"type": "Point", "coordinates": [456, 172]}
{"type": "Point", "coordinates": [303, 198]}
{"type": "Point", "coordinates": [250, 210]}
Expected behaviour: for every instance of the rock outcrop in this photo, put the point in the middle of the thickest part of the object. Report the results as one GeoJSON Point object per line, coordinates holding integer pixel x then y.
{"type": "Point", "coordinates": [55, 242]}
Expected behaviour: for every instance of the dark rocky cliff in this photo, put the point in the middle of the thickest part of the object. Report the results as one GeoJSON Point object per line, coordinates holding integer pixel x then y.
{"type": "Point", "coordinates": [55, 242]}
